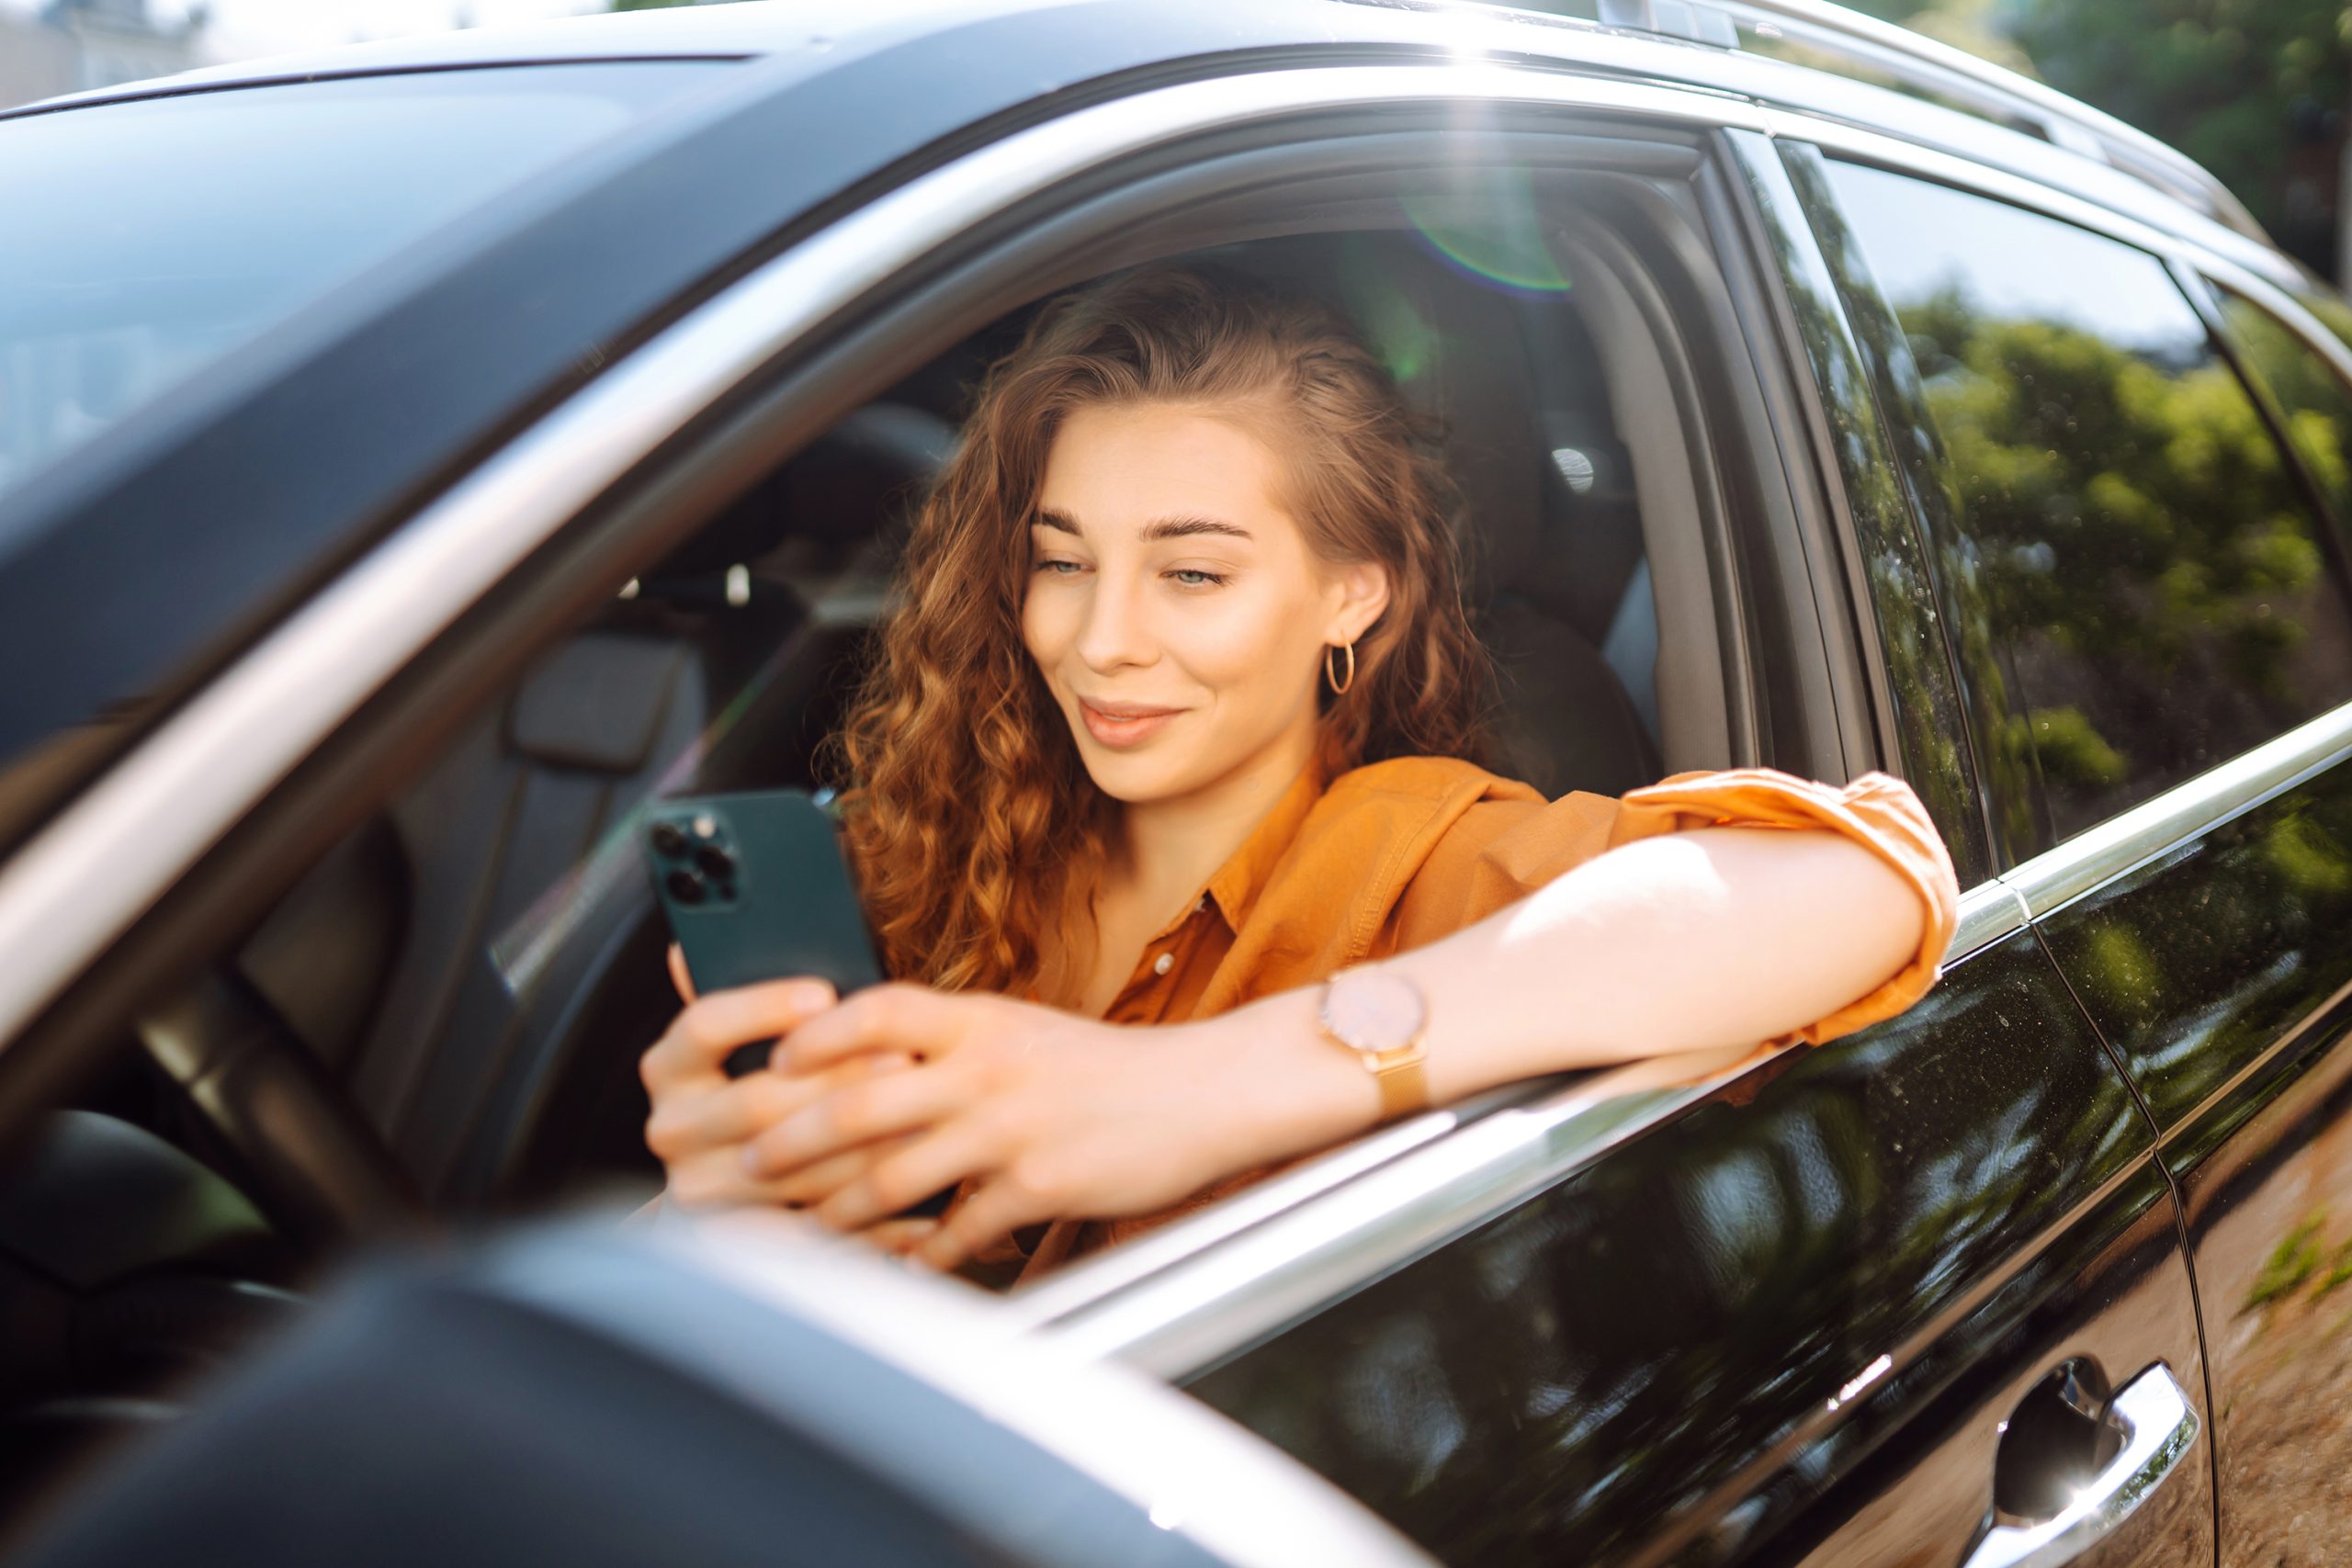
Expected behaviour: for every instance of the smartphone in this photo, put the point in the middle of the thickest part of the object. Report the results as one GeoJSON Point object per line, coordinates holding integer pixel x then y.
{"type": "Point", "coordinates": [755, 888]}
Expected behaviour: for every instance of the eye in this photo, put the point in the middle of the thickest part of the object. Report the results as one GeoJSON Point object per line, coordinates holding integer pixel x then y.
{"type": "Point", "coordinates": [1193, 577]}
{"type": "Point", "coordinates": [1058, 566]}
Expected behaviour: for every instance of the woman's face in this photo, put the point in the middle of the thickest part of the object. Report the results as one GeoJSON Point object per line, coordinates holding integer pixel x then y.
{"type": "Point", "coordinates": [1174, 606]}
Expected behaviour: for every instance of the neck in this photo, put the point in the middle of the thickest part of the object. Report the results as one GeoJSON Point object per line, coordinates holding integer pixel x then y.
{"type": "Point", "coordinates": [1166, 850]}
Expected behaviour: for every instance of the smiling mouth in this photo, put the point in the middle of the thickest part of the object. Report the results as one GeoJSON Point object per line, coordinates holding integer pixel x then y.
{"type": "Point", "coordinates": [1124, 723]}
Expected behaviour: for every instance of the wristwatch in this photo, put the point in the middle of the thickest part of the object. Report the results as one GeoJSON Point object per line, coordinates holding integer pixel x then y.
{"type": "Point", "coordinates": [1379, 1015]}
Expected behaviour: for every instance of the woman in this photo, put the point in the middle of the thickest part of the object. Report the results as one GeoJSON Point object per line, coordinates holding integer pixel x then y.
{"type": "Point", "coordinates": [1168, 815]}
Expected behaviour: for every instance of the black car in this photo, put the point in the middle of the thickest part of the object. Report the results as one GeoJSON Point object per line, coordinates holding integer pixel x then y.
{"type": "Point", "coordinates": [417, 458]}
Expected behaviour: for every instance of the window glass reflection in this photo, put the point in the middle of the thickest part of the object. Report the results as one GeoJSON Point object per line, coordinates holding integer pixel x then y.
{"type": "Point", "coordinates": [2145, 557]}
{"type": "Point", "coordinates": [144, 238]}
{"type": "Point", "coordinates": [2313, 399]}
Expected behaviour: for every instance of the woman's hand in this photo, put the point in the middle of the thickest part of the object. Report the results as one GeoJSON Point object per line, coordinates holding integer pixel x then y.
{"type": "Point", "coordinates": [1051, 1116]}
{"type": "Point", "coordinates": [701, 1117]}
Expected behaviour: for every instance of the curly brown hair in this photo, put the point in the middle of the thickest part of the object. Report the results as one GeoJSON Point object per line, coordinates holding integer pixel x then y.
{"type": "Point", "coordinates": [968, 810]}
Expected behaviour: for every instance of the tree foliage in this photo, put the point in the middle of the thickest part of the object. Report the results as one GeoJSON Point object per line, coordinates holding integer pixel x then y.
{"type": "Point", "coordinates": [2254, 90]}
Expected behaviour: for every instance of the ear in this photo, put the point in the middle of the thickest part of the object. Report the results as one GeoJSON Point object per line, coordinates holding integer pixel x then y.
{"type": "Point", "coordinates": [1362, 596]}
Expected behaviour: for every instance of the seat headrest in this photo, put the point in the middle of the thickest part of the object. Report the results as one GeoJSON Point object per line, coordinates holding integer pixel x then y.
{"type": "Point", "coordinates": [835, 491]}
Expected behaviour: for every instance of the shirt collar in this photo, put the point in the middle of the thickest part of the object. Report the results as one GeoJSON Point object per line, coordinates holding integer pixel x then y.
{"type": "Point", "coordinates": [1242, 878]}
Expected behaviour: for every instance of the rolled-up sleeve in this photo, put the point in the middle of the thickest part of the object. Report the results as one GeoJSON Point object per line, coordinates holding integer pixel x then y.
{"type": "Point", "coordinates": [1508, 846]}
{"type": "Point", "coordinates": [1881, 813]}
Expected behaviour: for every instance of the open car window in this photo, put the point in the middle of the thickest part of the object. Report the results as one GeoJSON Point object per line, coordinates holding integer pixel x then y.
{"type": "Point", "coordinates": [476, 967]}
{"type": "Point", "coordinates": [510, 969]}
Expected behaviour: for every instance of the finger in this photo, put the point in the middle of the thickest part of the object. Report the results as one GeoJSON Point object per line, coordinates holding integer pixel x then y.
{"type": "Point", "coordinates": [813, 1184]}
{"type": "Point", "coordinates": [900, 1236]}
{"type": "Point", "coordinates": [708, 1027]}
{"type": "Point", "coordinates": [991, 1214]}
{"type": "Point", "coordinates": [683, 1124]}
{"type": "Point", "coordinates": [716, 1179]}
{"type": "Point", "coordinates": [872, 1064]}
{"type": "Point", "coordinates": [915, 1018]}
{"type": "Point", "coordinates": [907, 1174]}
{"type": "Point", "coordinates": [853, 1115]}
{"type": "Point", "coordinates": [678, 975]}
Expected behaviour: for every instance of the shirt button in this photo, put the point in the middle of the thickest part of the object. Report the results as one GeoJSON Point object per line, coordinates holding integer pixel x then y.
{"type": "Point", "coordinates": [1164, 963]}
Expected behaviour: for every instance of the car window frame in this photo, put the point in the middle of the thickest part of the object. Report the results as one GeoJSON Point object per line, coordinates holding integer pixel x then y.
{"type": "Point", "coordinates": [235, 815]}
{"type": "Point", "coordinates": [2206, 293]}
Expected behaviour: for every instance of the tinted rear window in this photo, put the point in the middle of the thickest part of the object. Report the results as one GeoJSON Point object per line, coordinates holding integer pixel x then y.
{"type": "Point", "coordinates": [146, 238]}
{"type": "Point", "coordinates": [2153, 574]}
{"type": "Point", "coordinates": [2313, 398]}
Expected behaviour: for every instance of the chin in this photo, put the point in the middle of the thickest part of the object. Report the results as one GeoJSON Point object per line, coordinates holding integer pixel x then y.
{"type": "Point", "coordinates": [1133, 779]}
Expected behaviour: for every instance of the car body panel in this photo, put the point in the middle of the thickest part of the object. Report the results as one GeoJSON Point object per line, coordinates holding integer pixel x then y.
{"type": "Point", "coordinates": [1692, 1350]}
{"type": "Point", "coordinates": [2222, 973]}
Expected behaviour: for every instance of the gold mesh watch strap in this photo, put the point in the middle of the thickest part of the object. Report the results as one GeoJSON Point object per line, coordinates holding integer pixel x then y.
{"type": "Point", "coordinates": [1403, 1079]}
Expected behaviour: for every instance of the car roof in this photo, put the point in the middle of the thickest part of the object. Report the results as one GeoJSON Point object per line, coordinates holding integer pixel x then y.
{"type": "Point", "coordinates": [820, 33]}
{"type": "Point", "coordinates": [748, 29]}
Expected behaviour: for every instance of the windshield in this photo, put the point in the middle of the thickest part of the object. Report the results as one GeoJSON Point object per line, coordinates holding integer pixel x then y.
{"type": "Point", "coordinates": [147, 238]}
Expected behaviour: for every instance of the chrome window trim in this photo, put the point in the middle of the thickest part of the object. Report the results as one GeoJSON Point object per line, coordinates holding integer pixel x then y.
{"type": "Point", "coordinates": [2290, 311]}
{"type": "Point", "coordinates": [2219, 245]}
{"type": "Point", "coordinates": [2132, 838]}
{"type": "Point", "coordinates": [214, 760]}
{"type": "Point", "coordinates": [1240, 1288]}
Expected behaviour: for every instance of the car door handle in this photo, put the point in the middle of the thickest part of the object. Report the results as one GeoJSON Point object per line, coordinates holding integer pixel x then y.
{"type": "Point", "coordinates": [2158, 1428]}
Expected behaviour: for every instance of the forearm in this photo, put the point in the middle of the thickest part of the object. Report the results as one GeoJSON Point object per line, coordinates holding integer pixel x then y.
{"type": "Point", "coordinates": [1707, 941]}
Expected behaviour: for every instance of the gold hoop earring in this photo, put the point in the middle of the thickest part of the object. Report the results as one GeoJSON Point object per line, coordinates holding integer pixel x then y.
{"type": "Point", "coordinates": [1330, 671]}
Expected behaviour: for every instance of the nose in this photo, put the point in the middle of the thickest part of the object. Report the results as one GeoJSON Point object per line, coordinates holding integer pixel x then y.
{"type": "Point", "coordinates": [1113, 634]}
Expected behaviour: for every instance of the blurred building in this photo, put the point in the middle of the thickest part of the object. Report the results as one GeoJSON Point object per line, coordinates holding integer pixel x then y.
{"type": "Point", "coordinates": [72, 45]}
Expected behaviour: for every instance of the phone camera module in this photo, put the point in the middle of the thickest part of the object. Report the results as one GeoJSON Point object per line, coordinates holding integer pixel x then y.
{"type": "Point", "coordinates": [686, 887]}
{"type": "Point", "coordinates": [667, 840]}
{"type": "Point", "coordinates": [714, 861]}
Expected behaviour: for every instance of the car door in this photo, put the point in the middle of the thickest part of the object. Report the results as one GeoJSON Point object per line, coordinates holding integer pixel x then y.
{"type": "Point", "coordinates": [2165, 605]}
{"type": "Point", "coordinates": [1787, 1318]}
{"type": "Point", "coordinates": [2221, 967]}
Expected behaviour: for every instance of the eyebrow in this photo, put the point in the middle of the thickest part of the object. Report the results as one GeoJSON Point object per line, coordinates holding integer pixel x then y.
{"type": "Point", "coordinates": [1154, 531]}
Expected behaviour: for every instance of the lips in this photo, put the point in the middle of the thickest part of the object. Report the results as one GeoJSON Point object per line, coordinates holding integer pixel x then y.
{"type": "Point", "coordinates": [1124, 723]}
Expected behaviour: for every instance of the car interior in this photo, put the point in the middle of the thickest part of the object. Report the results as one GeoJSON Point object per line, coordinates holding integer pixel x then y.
{"type": "Point", "coordinates": [442, 1018]}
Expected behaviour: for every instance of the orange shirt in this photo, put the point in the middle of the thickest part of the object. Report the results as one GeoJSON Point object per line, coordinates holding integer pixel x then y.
{"type": "Point", "coordinates": [1404, 851]}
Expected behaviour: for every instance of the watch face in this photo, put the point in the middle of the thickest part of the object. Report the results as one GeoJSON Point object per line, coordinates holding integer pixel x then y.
{"type": "Point", "coordinates": [1373, 1010]}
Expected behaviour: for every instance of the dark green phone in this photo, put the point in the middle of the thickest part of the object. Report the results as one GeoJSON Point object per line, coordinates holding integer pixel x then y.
{"type": "Point", "coordinates": [756, 890]}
